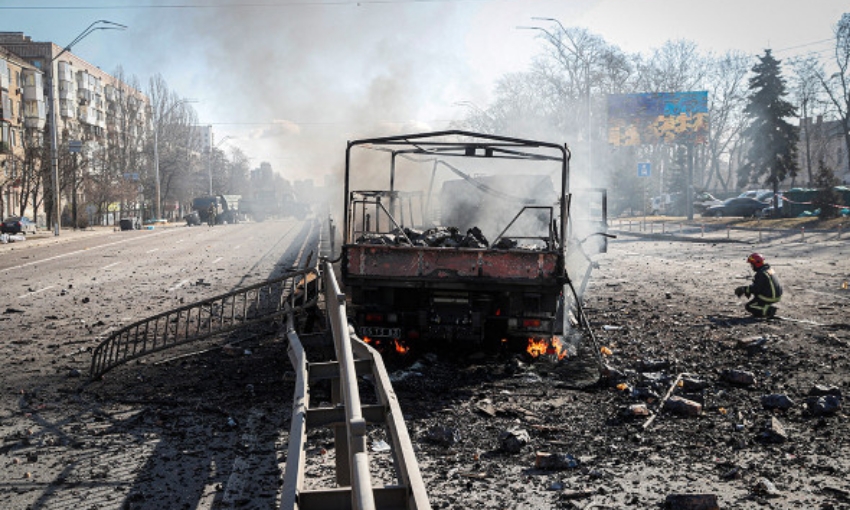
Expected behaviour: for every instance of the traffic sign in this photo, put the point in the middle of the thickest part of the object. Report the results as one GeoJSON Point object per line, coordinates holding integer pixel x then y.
{"type": "Point", "coordinates": [644, 169]}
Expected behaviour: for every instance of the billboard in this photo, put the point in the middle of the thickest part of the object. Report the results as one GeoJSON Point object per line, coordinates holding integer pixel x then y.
{"type": "Point", "coordinates": [664, 117]}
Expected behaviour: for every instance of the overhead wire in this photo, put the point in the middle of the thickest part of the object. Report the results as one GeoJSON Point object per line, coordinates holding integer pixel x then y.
{"type": "Point", "coordinates": [235, 4]}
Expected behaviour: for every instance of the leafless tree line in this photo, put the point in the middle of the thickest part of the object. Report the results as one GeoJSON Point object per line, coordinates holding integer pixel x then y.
{"type": "Point", "coordinates": [563, 95]}
{"type": "Point", "coordinates": [115, 172]}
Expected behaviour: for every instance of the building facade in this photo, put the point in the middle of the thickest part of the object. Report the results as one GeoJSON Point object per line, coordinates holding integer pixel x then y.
{"type": "Point", "coordinates": [823, 140]}
{"type": "Point", "coordinates": [101, 127]}
{"type": "Point", "coordinates": [22, 121]}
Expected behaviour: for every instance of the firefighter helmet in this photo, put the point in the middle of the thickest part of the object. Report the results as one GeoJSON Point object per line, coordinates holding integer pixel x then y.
{"type": "Point", "coordinates": [755, 260]}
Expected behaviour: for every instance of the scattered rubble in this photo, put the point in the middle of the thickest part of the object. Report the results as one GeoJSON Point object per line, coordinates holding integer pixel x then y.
{"type": "Point", "coordinates": [692, 502]}
{"type": "Point", "coordinates": [683, 406]}
{"type": "Point", "coordinates": [512, 441]}
{"type": "Point", "coordinates": [777, 401]}
{"type": "Point", "coordinates": [741, 377]}
{"type": "Point", "coordinates": [774, 431]}
{"type": "Point", "coordinates": [555, 461]}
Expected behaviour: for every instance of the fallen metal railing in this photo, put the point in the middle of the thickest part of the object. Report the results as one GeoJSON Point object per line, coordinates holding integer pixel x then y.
{"type": "Point", "coordinates": [217, 315]}
{"type": "Point", "coordinates": [349, 420]}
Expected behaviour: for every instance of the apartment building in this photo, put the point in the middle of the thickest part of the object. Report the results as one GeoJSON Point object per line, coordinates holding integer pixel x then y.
{"type": "Point", "coordinates": [823, 140]}
{"type": "Point", "coordinates": [91, 107]}
{"type": "Point", "coordinates": [22, 121]}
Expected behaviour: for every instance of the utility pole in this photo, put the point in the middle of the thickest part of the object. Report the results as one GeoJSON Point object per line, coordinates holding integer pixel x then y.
{"type": "Point", "coordinates": [54, 143]}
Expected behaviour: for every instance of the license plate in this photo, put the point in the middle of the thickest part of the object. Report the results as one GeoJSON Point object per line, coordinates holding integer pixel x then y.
{"type": "Point", "coordinates": [373, 332]}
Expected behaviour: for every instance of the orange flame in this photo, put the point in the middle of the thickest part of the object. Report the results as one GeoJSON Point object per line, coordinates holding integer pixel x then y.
{"type": "Point", "coordinates": [400, 347]}
{"type": "Point", "coordinates": [549, 346]}
{"type": "Point", "coordinates": [367, 339]}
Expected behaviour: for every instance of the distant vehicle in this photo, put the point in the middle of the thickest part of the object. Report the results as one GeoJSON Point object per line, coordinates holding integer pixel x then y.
{"type": "Point", "coordinates": [674, 203]}
{"type": "Point", "coordinates": [703, 201]}
{"type": "Point", "coordinates": [215, 209]}
{"type": "Point", "coordinates": [738, 206]}
{"type": "Point", "coordinates": [756, 193]}
{"type": "Point", "coordinates": [18, 225]}
{"type": "Point", "coordinates": [663, 204]}
{"type": "Point", "coordinates": [767, 197]}
{"type": "Point", "coordinates": [193, 218]}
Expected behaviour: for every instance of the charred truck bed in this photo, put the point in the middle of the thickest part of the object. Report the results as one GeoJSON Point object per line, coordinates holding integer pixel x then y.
{"type": "Point", "coordinates": [418, 265]}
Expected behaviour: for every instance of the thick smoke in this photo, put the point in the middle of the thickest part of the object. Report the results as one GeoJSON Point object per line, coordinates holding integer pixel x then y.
{"type": "Point", "coordinates": [311, 77]}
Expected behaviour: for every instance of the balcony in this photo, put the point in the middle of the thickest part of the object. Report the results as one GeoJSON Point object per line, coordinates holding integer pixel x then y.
{"type": "Point", "coordinates": [65, 72]}
{"type": "Point", "coordinates": [34, 122]}
{"type": "Point", "coordinates": [84, 96]}
{"type": "Point", "coordinates": [33, 87]}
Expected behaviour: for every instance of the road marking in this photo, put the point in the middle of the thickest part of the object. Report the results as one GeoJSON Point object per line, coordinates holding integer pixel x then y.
{"type": "Point", "coordinates": [151, 251]}
{"type": "Point", "coordinates": [75, 252]}
{"type": "Point", "coordinates": [830, 294]}
{"type": "Point", "coordinates": [184, 282]}
{"type": "Point", "coordinates": [111, 265]}
{"type": "Point", "coordinates": [237, 246]}
{"type": "Point", "coordinates": [35, 292]}
{"type": "Point", "coordinates": [218, 260]}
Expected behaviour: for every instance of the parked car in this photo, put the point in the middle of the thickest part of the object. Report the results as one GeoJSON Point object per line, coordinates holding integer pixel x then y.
{"type": "Point", "coordinates": [18, 225]}
{"type": "Point", "coordinates": [767, 197]}
{"type": "Point", "coordinates": [738, 206]}
{"type": "Point", "coordinates": [755, 193]}
{"type": "Point", "coordinates": [703, 201]}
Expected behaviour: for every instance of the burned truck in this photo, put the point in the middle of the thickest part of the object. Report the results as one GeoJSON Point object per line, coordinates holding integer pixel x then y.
{"type": "Point", "coordinates": [462, 239]}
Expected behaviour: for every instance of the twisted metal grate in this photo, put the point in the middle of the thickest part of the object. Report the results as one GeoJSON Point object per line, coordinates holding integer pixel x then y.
{"type": "Point", "coordinates": [220, 314]}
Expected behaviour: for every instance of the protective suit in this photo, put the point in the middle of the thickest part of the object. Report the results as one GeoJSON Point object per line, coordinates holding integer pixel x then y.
{"type": "Point", "coordinates": [764, 292]}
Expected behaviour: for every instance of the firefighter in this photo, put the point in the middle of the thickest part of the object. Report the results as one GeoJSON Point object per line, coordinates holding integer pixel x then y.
{"type": "Point", "coordinates": [765, 290]}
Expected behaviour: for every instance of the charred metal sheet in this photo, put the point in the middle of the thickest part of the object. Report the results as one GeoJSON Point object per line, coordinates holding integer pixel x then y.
{"type": "Point", "coordinates": [520, 265]}
{"type": "Point", "coordinates": [437, 263]}
{"type": "Point", "coordinates": [450, 263]}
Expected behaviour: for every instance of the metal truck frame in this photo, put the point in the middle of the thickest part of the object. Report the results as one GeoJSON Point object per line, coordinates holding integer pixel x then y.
{"type": "Point", "coordinates": [403, 290]}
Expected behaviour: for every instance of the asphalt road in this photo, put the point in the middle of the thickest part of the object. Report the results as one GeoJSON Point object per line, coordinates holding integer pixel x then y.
{"type": "Point", "coordinates": [61, 296]}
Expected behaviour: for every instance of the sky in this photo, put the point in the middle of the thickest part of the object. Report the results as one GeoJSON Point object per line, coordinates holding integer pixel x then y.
{"type": "Point", "coordinates": [290, 81]}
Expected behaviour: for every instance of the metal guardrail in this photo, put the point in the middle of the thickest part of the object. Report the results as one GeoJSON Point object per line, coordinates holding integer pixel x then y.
{"type": "Point", "coordinates": [349, 420]}
{"type": "Point", "coordinates": [220, 314]}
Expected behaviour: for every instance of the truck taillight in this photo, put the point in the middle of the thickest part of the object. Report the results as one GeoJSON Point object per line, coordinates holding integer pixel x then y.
{"type": "Point", "coordinates": [374, 317]}
{"type": "Point", "coordinates": [531, 323]}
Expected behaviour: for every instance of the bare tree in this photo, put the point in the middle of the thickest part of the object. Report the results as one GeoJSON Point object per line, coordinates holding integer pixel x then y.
{"type": "Point", "coordinates": [31, 172]}
{"type": "Point", "coordinates": [238, 168]}
{"type": "Point", "coordinates": [122, 160]}
{"type": "Point", "coordinates": [726, 82]}
{"type": "Point", "coordinates": [808, 94]}
{"type": "Point", "coordinates": [837, 86]}
{"type": "Point", "coordinates": [677, 66]}
{"type": "Point", "coordinates": [173, 119]}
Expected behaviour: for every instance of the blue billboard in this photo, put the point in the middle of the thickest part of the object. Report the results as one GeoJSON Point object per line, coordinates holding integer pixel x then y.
{"type": "Point", "coordinates": [664, 117]}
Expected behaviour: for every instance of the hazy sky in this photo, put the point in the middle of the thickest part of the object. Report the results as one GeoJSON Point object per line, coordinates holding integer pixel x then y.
{"type": "Point", "coordinates": [291, 80]}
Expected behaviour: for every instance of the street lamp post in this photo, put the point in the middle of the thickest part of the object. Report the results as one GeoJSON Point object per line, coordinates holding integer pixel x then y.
{"type": "Point", "coordinates": [586, 63]}
{"type": "Point", "coordinates": [209, 158]}
{"type": "Point", "coordinates": [156, 120]}
{"type": "Point", "coordinates": [54, 150]}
